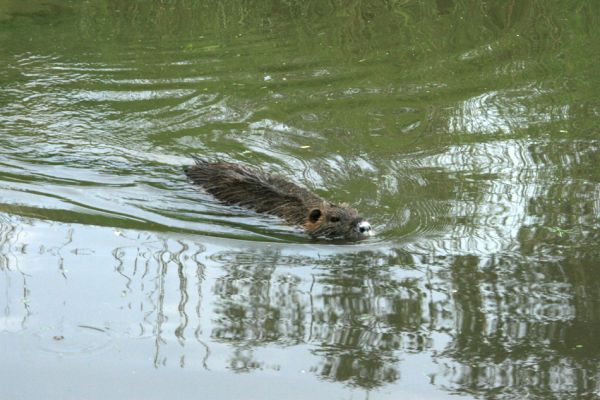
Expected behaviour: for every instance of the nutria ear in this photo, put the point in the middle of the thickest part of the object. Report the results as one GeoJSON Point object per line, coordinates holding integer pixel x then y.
{"type": "Point", "coordinates": [314, 215]}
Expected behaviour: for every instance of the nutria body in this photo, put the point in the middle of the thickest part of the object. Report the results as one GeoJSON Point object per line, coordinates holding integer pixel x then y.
{"type": "Point", "coordinates": [268, 193]}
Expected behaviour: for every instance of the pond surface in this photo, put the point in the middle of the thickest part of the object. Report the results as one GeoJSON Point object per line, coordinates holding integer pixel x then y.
{"type": "Point", "coordinates": [467, 132]}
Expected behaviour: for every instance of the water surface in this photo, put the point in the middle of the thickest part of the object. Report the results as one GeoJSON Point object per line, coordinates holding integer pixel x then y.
{"type": "Point", "coordinates": [467, 133]}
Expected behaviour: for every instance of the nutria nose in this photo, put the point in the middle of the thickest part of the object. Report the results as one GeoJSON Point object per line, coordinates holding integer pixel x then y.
{"type": "Point", "coordinates": [364, 227]}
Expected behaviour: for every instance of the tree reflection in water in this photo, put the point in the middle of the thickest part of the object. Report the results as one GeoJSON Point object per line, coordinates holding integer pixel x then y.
{"type": "Point", "coordinates": [521, 322]}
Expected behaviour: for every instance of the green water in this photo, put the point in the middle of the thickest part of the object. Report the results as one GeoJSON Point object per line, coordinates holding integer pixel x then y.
{"type": "Point", "coordinates": [466, 131]}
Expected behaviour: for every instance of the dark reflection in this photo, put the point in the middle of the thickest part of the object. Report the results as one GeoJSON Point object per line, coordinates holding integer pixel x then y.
{"type": "Point", "coordinates": [364, 316]}
{"type": "Point", "coordinates": [354, 27]}
{"type": "Point", "coordinates": [352, 309]}
{"type": "Point", "coordinates": [254, 308]}
{"type": "Point", "coordinates": [518, 327]}
{"type": "Point", "coordinates": [508, 319]}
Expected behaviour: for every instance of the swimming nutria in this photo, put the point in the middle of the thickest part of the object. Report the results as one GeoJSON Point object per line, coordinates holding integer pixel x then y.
{"type": "Point", "coordinates": [271, 194]}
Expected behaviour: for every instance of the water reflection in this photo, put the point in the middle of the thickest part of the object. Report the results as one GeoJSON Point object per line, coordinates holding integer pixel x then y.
{"type": "Point", "coordinates": [490, 321]}
{"type": "Point", "coordinates": [514, 324]}
{"type": "Point", "coordinates": [147, 280]}
{"type": "Point", "coordinates": [361, 319]}
{"type": "Point", "coordinates": [354, 314]}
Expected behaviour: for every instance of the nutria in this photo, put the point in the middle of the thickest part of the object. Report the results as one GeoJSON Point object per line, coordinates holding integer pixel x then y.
{"type": "Point", "coordinates": [268, 193]}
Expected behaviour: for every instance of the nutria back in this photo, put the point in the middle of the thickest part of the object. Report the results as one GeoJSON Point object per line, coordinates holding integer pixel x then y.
{"type": "Point", "coordinates": [269, 193]}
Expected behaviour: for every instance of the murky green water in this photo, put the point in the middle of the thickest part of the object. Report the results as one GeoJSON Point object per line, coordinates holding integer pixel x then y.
{"type": "Point", "coordinates": [468, 132]}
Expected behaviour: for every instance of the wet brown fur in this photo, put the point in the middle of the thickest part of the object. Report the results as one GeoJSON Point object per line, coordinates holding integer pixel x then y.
{"type": "Point", "coordinates": [269, 193]}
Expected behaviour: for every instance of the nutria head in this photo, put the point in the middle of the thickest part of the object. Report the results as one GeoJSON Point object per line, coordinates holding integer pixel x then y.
{"type": "Point", "coordinates": [336, 222]}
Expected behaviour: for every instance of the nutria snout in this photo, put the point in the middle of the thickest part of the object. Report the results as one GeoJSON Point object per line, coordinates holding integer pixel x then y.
{"type": "Point", "coordinates": [268, 193]}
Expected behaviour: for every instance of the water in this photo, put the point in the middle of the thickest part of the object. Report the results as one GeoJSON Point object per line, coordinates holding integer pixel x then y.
{"type": "Point", "coordinates": [467, 133]}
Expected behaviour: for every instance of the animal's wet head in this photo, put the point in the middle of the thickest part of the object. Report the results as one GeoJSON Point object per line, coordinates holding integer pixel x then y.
{"type": "Point", "coordinates": [336, 222]}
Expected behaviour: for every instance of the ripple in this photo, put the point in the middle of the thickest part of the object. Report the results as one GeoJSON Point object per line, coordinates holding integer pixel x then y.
{"type": "Point", "coordinates": [504, 111]}
{"type": "Point", "coordinates": [104, 142]}
{"type": "Point", "coordinates": [74, 340]}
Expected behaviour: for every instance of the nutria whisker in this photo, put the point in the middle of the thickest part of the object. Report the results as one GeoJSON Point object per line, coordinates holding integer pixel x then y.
{"type": "Point", "coordinates": [235, 184]}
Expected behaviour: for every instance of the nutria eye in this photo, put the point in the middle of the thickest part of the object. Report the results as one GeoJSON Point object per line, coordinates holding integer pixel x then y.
{"type": "Point", "coordinates": [335, 219]}
{"type": "Point", "coordinates": [314, 215]}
